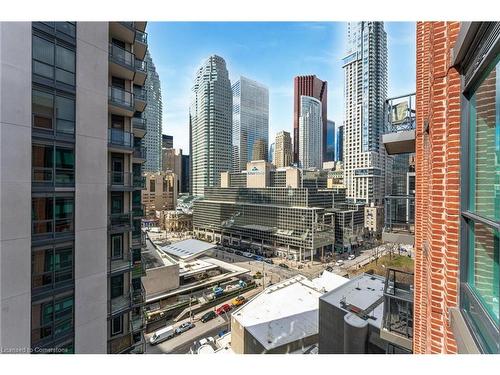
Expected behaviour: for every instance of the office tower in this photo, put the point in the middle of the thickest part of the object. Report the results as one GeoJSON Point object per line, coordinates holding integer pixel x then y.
{"type": "Point", "coordinates": [167, 141]}
{"type": "Point", "coordinates": [339, 144]}
{"type": "Point", "coordinates": [365, 74]}
{"type": "Point", "coordinates": [259, 150]}
{"type": "Point", "coordinates": [160, 193]}
{"type": "Point", "coordinates": [66, 278]}
{"type": "Point", "coordinates": [210, 124]}
{"type": "Point", "coordinates": [316, 88]}
{"type": "Point", "coordinates": [172, 162]}
{"type": "Point", "coordinates": [457, 218]}
{"type": "Point", "coordinates": [330, 141]}
{"type": "Point", "coordinates": [185, 174]}
{"type": "Point", "coordinates": [310, 133]}
{"type": "Point", "coordinates": [271, 153]}
{"type": "Point", "coordinates": [250, 122]}
{"type": "Point", "coordinates": [283, 152]}
{"type": "Point", "coordinates": [153, 114]}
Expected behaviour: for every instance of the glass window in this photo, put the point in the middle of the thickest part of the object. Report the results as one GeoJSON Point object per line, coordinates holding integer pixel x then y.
{"type": "Point", "coordinates": [42, 160]}
{"type": "Point", "coordinates": [42, 267]}
{"type": "Point", "coordinates": [65, 115]}
{"type": "Point", "coordinates": [484, 155]}
{"type": "Point", "coordinates": [68, 28]}
{"type": "Point", "coordinates": [117, 325]}
{"type": "Point", "coordinates": [152, 185]}
{"type": "Point", "coordinates": [43, 109]}
{"type": "Point", "coordinates": [65, 62]}
{"type": "Point", "coordinates": [116, 247]}
{"type": "Point", "coordinates": [42, 213]}
{"type": "Point", "coordinates": [63, 265]}
{"type": "Point", "coordinates": [65, 165]}
{"type": "Point", "coordinates": [116, 286]}
{"type": "Point", "coordinates": [43, 57]}
{"type": "Point", "coordinates": [64, 214]}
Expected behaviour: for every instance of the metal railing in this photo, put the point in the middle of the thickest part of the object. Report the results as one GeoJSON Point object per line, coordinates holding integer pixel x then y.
{"type": "Point", "coordinates": [51, 227]}
{"type": "Point", "coordinates": [141, 37]}
{"type": "Point", "coordinates": [399, 213]}
{"type": "Point", "coordinates": [141, 66]}
{"type": "Point", "coordinates": [121, 264]}
{"type": "Point", "coordinates": [138, 295]}
{"type": "Point", "coordinates": [121, 97]}
{"type": "Point", "coordinates": [122, 56]}
{"type": "Point", "coordinates": [398, 303]}
{"type": "Point", "coordinates": [400, 113]}
{"type": "Point", "coordinates": [120, 179]}
{"type": "Point", "coordinates": [139, 152]}
{"type": "Point", "coordinates": [44, 175]}
{"type": "Point", "coordinates": [120, 303]}
{"type": "Point", "coordinates": [118, 137]}
{"type": "Point", "coordinates": [120, 221]}
{"type": "Point", "coordinates": [139, 123]}
{"type": "Point", "coordinates": [140, 94]}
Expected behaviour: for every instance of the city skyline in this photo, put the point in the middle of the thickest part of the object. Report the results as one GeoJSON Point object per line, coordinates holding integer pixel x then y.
{"type": "Point", "coordinates": [318, 48]}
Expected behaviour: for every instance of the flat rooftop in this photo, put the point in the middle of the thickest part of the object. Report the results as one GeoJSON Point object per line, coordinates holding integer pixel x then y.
{"type": "Point", "coordinates": [187, 249]}
{"type": "Point", "coordinates": [283, 313]}
{"type": "Point", "coordinates": [358, 295]}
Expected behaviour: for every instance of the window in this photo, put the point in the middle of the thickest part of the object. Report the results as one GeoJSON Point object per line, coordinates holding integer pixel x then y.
{"type": "Point", "coordinates": [51, 318]}
{"type": "Point", "coordinates": [480, 231]}
{"type": "Point", "coordinates": [52, 215]}
{"type": "Point", "coordinates": [53, 61]}
{"type": "Point", "coordinates": [117, 325]}
{"type": "Point", "coordinates": [48, 106]}
{"type": "Point", "coordinates": [116, 286]}
{"type": "Point", "coordinates": [117, 247]}
{"type": "Point", "coordinates": [51, 267]}
{"type": "Point", "coordinates": [43, 159]}
{"type": "Point", "coordinates": [152, 185]}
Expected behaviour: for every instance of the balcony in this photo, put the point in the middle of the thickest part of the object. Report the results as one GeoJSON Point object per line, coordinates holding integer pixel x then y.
{"type": "Point", "coordinates": [124, 30]}
{"type": "Point", "coordinates": [121, 102]}
{"type": "Point", "coordinates": [140, 44]}
{"type": "Point", "coordinates": [141, 72]}
{"type": "Point", "coordinates": [138, 270]}
{"type": "Point", "coordinates": [399, 216]}
{"type": "Point", "coordinates": [140, 25]}
{"type": "Point", "coordinates": [138, 211]}
{"type": "Point", "coordinates": [121, 62]}
{"type": "Point", "coordinates": [140, 95]}
{"type": "Point", "coordinates": [120, 304]}
{"type": "Point", "coordinates": [120, 265]}
{"type": "Point", "coordinates": [139, 182]}
{"type": "Point", "coordinates": [120, 181]}
{"type": "Point", "coordinates": [138, 295]}
{"type": "Point", "coordinates": [138, 239]}
{"type": "Point", "coordinates": [139, 155]}
{"type": "Point", "coordinates": [137, 322]}
{"type": "Point", "coordinates": [139, 126]}
{"type": "Point", "coordinates": [397, 324]}
{"type": "Point", "coordinates": [399, 137]}
{"type": "Point", "coordinates": [120, 141]}
{"type": "Point", "coordinates": [120, 222]}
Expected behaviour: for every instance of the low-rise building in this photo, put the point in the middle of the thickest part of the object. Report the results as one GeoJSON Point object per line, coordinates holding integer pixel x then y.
{"type": "Point", "coordinates": [281, 319]}
{"type": "Point", "coordinates": [374, 219]}
{"type": "Point", "coordinates": [175, 221]}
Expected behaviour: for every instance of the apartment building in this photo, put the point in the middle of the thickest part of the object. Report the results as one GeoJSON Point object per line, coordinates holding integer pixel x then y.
{"type": "Point", "coordinates": [310, 133]}
{"type": "Point", "coordinates": [68, 245]}
{"type": "Point", "coordinates": [457, 219]}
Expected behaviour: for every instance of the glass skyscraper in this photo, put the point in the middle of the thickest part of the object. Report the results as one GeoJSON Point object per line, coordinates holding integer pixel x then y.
{"type": "Point", "coordinates": [210, 124]}
{"type": "Point", "coordinates": [250, 122]}
{"type": "Point", "coordinates": [310, 133]}
{"type": "Point", "coordinates": [330, 141]}
{"type": "Point", "coordinates": [153, 115]}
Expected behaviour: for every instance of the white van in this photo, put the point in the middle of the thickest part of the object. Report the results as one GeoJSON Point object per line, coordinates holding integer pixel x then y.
{"type": "Point", "coordinates": [162, 335]}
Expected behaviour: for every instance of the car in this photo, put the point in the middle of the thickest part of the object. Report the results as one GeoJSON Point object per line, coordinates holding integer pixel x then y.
{"type": "Point", "coordinates": [206, 340]}
{"type": "Point", "coordinates": [351, 257]}
{"type": "Point", "coordinates": [229, 250]}
{"type": "Point", "coordinates": [237, 252]}
{"type": "Point", "coordinates": [329, 269]}
{"type": "Point", "coordinates": [222, 333]}
{"type": "Point", "coordinates": [184, 327]}
{"type": "Point", "coordinates": [339, 262]}
{"type": "Point", "coordinates": [247, 255]}
{"type": "Point", "coordinates": [240, 300]}
{"type": "Point", "coordinates": [223, 309]}
{"type": "Point", "coordinates": [268, 261]}
{"type": "Point", "coordinates": [284, 265]}
{"type": "Point", "coordinates": [208, 316]}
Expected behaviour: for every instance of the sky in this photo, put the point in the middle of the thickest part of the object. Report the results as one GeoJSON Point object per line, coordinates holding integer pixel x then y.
{"type": "Point", "coordinates": [272, 53]}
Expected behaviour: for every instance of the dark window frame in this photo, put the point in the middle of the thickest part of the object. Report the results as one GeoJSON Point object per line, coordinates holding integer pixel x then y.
{"type": "Point", "coordinates": [473, 67]}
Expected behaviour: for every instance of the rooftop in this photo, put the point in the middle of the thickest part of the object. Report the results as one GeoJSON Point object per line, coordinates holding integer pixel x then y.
{"type": "Point", "coordinates": [362, 296]}
{"type": "Point", "coordinates": [187, 249]}
{"type": "Point", "coordinates": [283, 313]}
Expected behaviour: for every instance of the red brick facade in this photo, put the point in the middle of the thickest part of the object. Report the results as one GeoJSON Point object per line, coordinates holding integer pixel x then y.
{"type": "Point", "coordinates": [437, 187]}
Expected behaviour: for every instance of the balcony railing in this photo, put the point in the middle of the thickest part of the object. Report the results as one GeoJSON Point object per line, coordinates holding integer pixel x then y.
{"type": "Point", "coordinates": [138, 270]}
{"type": "Point", "coordinates": [121, 264]}
{"type": "Point", "coordinates": [398, 306]}
{"type": "Point", "coordinates": [139, 123]}
{"type": "Point", "coordinates": [141, 37]}
{"type": "Point", "coordinates": [138, 295]}
{"type": "Point", "coordinates": [137, 322]}
{"type": "Point", "coordinates": [139, 182]}
{"type": "Point", "coordinates": [139, 152]}
{"type": "Point", "coordinates": [45, 176]}
{"type": "Point", "coordinates": [140, 94]}
{"type": "Point", "coordinates": [138, 210]}
{"type": "Point", "coordinates": [51, 228]}
{"type": "Point", "coordinates": [121, 97]}
{"type": "Point", "coordinates": [118, 137]}
{"type": "Point", "coordinates": [120, 221]}
{"type": "Point", "coordinates": [120, 303]}
{"type": "Point", "coordinates": [122, 56]}
{"type": "Point", "coordinates": [400, 113]}
{"type": "Point", "coordinates": [399, 214]}
{"type": "Point", "coordinates": [120, 179]}
{"type": "Point", "coordinates": [141, 66]}
{"type": "Point", "coordinates": [138, 239]}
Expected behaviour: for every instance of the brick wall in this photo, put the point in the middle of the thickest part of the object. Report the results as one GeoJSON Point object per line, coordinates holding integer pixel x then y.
{"type": "Point", "coordinates": [437, 187]}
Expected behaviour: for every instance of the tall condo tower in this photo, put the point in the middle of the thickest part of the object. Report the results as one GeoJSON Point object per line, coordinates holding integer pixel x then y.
{"type": "Point", "coordinates": [210, 125]}
{"type": "Point", "coordinates": [316, 88]}
{"type": "Point", "coordinates": [310, 133]}
{"type": "Point", "coordinates": [250, 122]}
{"type": "Point", "coordinates": [365, 74]}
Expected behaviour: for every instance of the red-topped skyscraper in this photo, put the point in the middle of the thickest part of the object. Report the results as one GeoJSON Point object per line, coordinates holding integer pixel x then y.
{"type": "Point", "coordinates": [308, 86]}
